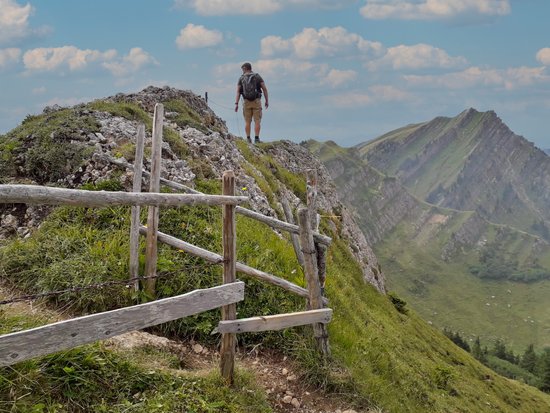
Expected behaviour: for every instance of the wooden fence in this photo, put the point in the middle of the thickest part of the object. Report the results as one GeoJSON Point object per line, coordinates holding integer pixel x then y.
{"type": "Point", "coordinates": [310, 248]}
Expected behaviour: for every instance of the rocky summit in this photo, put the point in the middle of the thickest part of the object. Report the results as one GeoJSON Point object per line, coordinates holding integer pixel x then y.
{"type": "Point", "coordinates": [78, 142]}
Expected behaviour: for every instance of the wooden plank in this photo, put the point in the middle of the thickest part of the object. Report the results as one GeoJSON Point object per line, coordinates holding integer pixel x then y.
{"type": "Point", "coordinates": [310, 259]}
{"type": "Point", "coordinates": [63, 335]}
{"type": "Point", "coordinates": [36, 194]}
{"type": "Point", "coordinates": [275, 322]}
{"type": "Point", "coordinates": [153, 213]}
{"type": "Point", "coordinates": [242, 268]}
{"type": "Point", "coordinates": [134, 225]}
{"type": "Point", "coordinates": [229, 312]}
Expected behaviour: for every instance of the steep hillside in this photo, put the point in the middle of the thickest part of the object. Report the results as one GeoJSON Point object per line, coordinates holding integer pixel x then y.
{"type": "Point", "coordinates": [384, 356]}
{"type": "Point", "coordinates": [453, 262]}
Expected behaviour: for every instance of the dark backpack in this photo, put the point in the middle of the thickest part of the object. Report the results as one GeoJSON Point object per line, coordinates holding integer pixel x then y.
{"type": "Point", "coordinates": [249, 86]}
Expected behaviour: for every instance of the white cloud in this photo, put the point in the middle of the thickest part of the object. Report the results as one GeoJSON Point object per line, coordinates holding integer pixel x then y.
{"type": "Point", "coordinates": [74, 59]}
{"type": "Point", "coordinates": [14, 20]}
{"type": "Point", "coordinates": [282, 68]}
{"type": "Point", "coordinates": [375, 94]}
{"type": "Point", "coordinates": [224, 7]}
{"type": "Point", "coordinates": [351, 99]}
{"type": "Point", "coordinates": [543, 56]}
{"type": "Point", "coordinates": [512, 78]}
{"type": "Point", "coordinates": [255, 7]}
{"type": "Point", "coordinates": [336, 78]}
{"type": "Point", "coordinates": [433, 9]}
{"type": "Point", "coordinates": [273, 70]}
{"type": "Point", "coordinates": [311, 43]}
{"type": "Point", "coordinates": [131, 63]}
{"type": "Point", "coordinates": [9, 56]}
{"type": "Point", "coordinates": [52, 58]}
{"type": "Point", "coordinates": [416, 57]}
{"type": "Point", "coordinates": [197, 36]}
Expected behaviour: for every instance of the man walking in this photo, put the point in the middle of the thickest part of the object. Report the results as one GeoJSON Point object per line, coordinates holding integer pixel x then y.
{"type": "Point", "coordinates": [250, 86]}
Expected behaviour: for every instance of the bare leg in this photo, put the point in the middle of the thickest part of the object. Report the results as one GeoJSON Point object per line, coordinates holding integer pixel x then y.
{"type": "Point", "coordinates": [247, 127]}
{"type": "Point", "coordinates": [257, 126]}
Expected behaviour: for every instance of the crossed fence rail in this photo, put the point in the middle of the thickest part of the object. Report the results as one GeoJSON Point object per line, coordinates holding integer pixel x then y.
{"type": "Point", "coordinates": [310, 249]}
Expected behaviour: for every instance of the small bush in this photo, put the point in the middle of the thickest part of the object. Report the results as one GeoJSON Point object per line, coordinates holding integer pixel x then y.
{"type": "Point", "coordinates": [398, 303]}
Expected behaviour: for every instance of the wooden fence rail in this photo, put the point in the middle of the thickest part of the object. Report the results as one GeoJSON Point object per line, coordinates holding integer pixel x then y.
{"type": "Point", "coordinates": [63, 335]}
{"type": "Point", "coordinates": [273, 222]}
{"type": "Point", "coordinates": [35, 194]}
{"type": "Point", "coordinates": [274, 322]}
{"type": "Point", "coordinates": [242, 268]}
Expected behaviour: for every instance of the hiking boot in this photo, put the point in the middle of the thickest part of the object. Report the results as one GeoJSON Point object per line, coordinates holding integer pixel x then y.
{"type": "Point", "coordinates": [256, 140]}
{"type": "Point", "coordinates": [248, 139]}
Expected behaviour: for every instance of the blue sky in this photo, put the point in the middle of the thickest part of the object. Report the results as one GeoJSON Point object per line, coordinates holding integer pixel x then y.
{"type": "Point", "coordinates": [346, 70]}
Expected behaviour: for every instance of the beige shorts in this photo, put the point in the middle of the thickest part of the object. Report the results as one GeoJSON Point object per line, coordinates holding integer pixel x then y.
{"type": "Point", "coordinates": [252, 109]}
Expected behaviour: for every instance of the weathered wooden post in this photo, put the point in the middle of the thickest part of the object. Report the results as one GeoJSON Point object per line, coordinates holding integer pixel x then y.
{"type": "Point", "coordinates": [134, 227]}
{"type": "Point", "coordinates": [312, 199]}
{"type": "Point", "coordinates": [310, 268]}
{"type": "Point", "coordinates": [294, 237]}
{"type": "Point", "coordinates": [229, 312]}
{"type": "Point", "coordinates": [320, 249]}
{"type": "Point", "coordinates": [153, 216]}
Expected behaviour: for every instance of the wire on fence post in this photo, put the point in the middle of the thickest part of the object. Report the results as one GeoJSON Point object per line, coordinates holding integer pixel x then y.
{"type": "Point", "coordinates": [229, 312]}
{"type": "Point", "coordinates": [153, 216]}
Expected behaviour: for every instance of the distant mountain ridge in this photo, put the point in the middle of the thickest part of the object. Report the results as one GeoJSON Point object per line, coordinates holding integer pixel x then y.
{"type": "Point", "coordinates": [458, 211]}
{"type": "Point", "coordinates": [472, 162]}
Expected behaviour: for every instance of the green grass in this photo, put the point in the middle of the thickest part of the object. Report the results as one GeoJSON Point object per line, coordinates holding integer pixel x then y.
{"type": "Point", "coordinates": [186, 116]}
{"type": "Point", "coordinates": [42, 146]}
{"type": "Point", "coordinates": [130, 111]}
{"type": "Point", "coordinates": [94, 378]}
{"type": "Point", "coordinates": [448, 295]}
{"type": "Point", "coordinates": [405, 365]}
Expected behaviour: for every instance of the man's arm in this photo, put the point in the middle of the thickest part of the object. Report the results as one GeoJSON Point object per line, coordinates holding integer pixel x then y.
{"type": "Point", "coordinates": [264, 89]}
{"type": "Point", "coordinates": [237, 97]}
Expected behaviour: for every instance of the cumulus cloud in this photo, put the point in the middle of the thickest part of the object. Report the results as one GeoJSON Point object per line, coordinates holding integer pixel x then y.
{"type": "Point", "coordinates": [9, 56]}
{"type": "Point", "coordinates": [416, 57]}
{"type": "Point", "coordinates": [225, 7]}
{"type": "Point", "coordinates": [311, 43]}
{"type": "Point", "coordinates": [51, 58]}
{"type": "Point", "coordinates": [197, 36]}
{"type": "Point", "coordinates": [335, 78]}
{"type": "Point", "coordinates": [433, 9]}
{"type": "Point", "coordinates": [136, 59]}
{"type": "Point", "coordinates": [543, 56]}
{"type": "Point", "coordinates": [256, 7]}
{"type": "Point", "coordinates": [512, 78]}
{"type": "Point", "coordinates": [375, 94]}
{"type": "Point", "coordinates": [14, 20]}
{"type": "Point", "coordinates": [74, 59]}
{"type": "Point", "coordinates": [282, 68]}
{"type": "Point", "coordinates": [273, 70]}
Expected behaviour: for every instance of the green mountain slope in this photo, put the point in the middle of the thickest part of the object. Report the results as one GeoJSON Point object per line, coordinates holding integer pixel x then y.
{"type": "Point", "coordinates": [450, 263]}
{"type": "Point", "coordinates": [384, 355]}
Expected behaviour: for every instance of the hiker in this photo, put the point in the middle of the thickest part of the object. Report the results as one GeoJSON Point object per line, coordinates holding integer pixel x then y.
{"type": "Point", "coordinates": [250, 86]}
